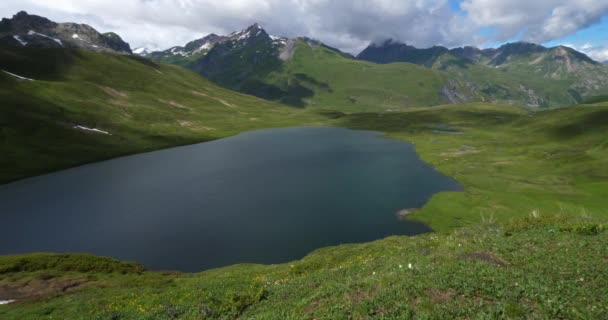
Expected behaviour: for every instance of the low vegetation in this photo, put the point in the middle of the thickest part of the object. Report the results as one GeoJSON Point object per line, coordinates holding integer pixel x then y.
{"type": "Point", "coordinates": [537, 267]}
{"type": "Point", "coordinates": [512, 162]}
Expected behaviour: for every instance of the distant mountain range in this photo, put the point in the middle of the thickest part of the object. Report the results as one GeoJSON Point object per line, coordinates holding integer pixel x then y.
{"type": "Point", "coordinates": [385, 76]}
{"type": "Point", "coordinates": [521, 73]}
{"type": "Point", "coordinates": [390, 51]}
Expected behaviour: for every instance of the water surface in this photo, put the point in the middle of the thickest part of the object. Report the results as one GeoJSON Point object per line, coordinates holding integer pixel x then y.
{"type": "Point", "coordinates": [265, 196]}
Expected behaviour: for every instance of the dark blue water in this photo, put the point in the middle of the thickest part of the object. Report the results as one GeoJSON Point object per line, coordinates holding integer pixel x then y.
{"type": "Point", "coordinates": [266, 196]}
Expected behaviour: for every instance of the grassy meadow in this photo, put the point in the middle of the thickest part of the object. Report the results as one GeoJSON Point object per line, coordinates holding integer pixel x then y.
{"type": "Point", "coordinates": [548, 267]}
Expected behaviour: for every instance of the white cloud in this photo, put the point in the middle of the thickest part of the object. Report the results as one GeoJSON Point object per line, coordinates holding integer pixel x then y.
{"type": "Point", "coordinates": [535, 20]}
{"type": "Point", "coordinates": [597, 53]}
{"type": "Point", "coordinates": [347, 24]}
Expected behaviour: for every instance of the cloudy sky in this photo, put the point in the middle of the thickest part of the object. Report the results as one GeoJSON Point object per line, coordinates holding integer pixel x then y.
{"type": "Point", "coordinates": [347, 24]}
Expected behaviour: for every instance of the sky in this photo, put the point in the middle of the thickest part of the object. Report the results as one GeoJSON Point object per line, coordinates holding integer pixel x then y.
{"type": "Point", "coordinates": [349, 25]}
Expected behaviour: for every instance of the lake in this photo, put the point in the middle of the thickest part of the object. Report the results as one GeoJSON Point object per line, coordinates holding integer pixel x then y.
{"type": "Point", "coordinates": [267, 196]}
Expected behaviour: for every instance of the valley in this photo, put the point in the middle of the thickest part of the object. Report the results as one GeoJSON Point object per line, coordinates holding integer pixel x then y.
{"type": "Point", "coordinates": [520, 131]}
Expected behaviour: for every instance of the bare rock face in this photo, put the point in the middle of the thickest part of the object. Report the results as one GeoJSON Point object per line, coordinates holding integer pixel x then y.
{"type": "Point", "coordinates": [27, 30]}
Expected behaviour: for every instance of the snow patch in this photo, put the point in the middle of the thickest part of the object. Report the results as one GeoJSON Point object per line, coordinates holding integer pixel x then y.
{"type": "Point", "coordinates": [6, 301]}
{"type": "Point", "coordinates": [178, 51]}
{"type": "Point", "coordinates": [75, 36]}
{"type": "Point", "coordinates": [18, 77]}
{"type": "Point", "coordinates": [23, 43]}
{"type": "Point", "coordinates": [91, 129]}
{"type": "Point", "coordinates": [278, 40]}
{"type": "Point", "coordinates": [139, 50]}
{"type": "Point", "coordinates": [206, 46]}
{"type": "Point", "coordinates": [32, 32]}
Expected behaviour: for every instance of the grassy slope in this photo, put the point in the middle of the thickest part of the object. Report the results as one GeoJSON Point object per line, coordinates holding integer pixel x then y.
{"type": "Point", "coordinates": [504, 85]}
{"type": "Point", "coordinates": [511, 162]}
{"type": "Point", "coordinates": [145, 106]}
{"type": "Point", "coordinates": [352, 85]}
{"type": "Point", "coordinates": [486, 272]}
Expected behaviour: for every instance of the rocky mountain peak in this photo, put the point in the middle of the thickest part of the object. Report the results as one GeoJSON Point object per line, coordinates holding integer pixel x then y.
{"type": "Point", "coordinates": [25, 30]}
{"type": "Point", "coordinates": [23, 22]}
{"type": "Point", "coordinates": [252, 32]}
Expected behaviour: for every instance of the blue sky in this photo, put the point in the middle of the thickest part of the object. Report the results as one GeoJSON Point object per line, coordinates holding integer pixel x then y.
{"type": "Point", "coordinates": [350, 25]}
{"type": "Point", "coordinates": [596, 35]}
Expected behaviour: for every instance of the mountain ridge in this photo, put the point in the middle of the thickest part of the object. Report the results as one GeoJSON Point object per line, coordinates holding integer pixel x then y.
{"type": "Point", "coordinates": [254, 62]}
{"type": "Point", "coordinates": [25, 30]}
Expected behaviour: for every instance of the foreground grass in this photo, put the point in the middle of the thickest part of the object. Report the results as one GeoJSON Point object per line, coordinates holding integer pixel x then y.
{"type": "Point", "coordinates": [544, 268]}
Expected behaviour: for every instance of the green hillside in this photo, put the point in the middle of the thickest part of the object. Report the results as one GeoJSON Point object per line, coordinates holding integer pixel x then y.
{"type": "Point", "coordinates": [143, 105]}
{"type": "Point", "coordinates": [518, 73]}
{"type": "Point", "coordinates": [342, 83]}
{"type": "Point", "coordinates": [541, 268]}
{"type": "Point", "coordinates": [512, 162]}
{"type": "Point", "coordinates": [307, 73]}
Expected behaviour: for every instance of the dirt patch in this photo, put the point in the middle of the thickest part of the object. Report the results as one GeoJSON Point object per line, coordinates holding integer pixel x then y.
{"type": "Point", "coordinates": [488, 257]}
{"type": "Point", "coordinates": [404, 213]}
{"type": "Point", "coordinates": [37, 288]}
{"type": "Point", "coordinates": [113, 92]}
{"type": "Point", "coordinates": [460, 152]}
{"type": "Point", "coordinates": [440, 295]}
{"type": "Point", "coordinates": [174, 104]}
{"type": "Point", "coordinates": [200, 94]}
{"type": "Point", "coordinates": [357, 298]}
{"type": "Point", "coordinates": [193, 126]}
{"type": "Point", "coordinates": [119, 103]}
{"type": "Point", "coordinates": [313, 306]}
{"type": "Point", "coordinates": [425, 251]}
{"type": "Point", "coordinates": [222, 101]}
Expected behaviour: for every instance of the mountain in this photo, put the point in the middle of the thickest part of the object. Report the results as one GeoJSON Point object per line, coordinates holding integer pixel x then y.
{"type": "Point", "coordinates": [305, 73]}
{"type": "Point", "coordinates": [187, 54]}
{"type": "Point", "coordinates": [515, 73]}
{"type": "Point", "coordinates": [194, 54]}
{"type": "Point", "coordinates": [302, 72]}
{"type": "Point", "coordinates": [142, 52]}
{"type": "Point", "coordinates": [60, 108]}
{"type": "Point", "coordinates": [25, 30]}
{"type": "Point", "coordinates": [391, 51]}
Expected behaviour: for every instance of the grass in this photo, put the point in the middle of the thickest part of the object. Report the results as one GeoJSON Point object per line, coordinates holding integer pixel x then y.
{"type": "Point", "coordinates": [510, 161]}
{"type": "Point", "coordinates": [535, 190]}
{"type": "Point", "coordinates": [145, 106]}
{"type": "Point", "coordinates": [345, 84]}
{"type": "Point", "coordinates": [490, 271]}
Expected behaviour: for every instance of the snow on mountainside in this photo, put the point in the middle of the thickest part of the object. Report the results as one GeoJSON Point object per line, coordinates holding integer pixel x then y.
{"type": "Point", "coordinates": [201, 47]}
{"type": "Point", "coordinates": [25, 30]}
{"type": "Point", "coordinates": [141, 51]}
